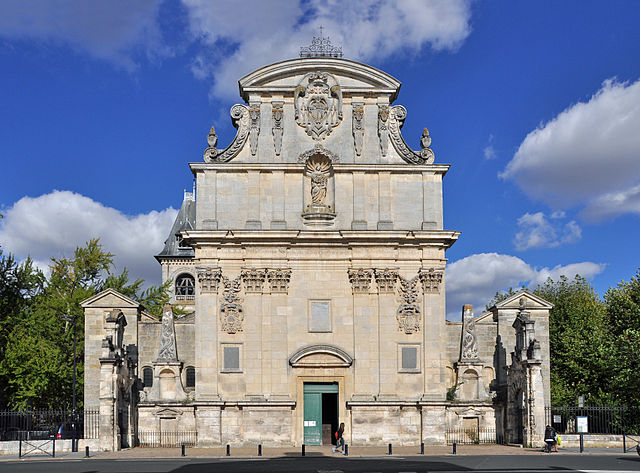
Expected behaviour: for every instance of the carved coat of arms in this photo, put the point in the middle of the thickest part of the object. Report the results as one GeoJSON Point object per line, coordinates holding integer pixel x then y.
{"type": "Point", "coordinates": [318, 104]}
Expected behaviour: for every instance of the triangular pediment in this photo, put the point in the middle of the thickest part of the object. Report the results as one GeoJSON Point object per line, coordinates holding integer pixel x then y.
{"type": "Point", "coordinates": [110, 298]}
{"type": "Point", "coordinates": [167, 412]}
{"type": "Point", "coordinates": [531, 301]}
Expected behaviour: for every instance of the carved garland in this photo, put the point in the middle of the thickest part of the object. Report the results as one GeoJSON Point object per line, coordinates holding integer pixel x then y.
{"type": "Point", "coordinates": [408, 313]}
{"type": "Point", "coordinates": [397, 114]}
{"type": "Point", "coordinates": [240, 119]}
{"type": "Point", "coordinates": [231, 311]}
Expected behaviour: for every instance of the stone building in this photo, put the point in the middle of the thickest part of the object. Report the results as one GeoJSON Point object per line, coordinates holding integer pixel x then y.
{"type": "Point", "coordinates": [310, 263]}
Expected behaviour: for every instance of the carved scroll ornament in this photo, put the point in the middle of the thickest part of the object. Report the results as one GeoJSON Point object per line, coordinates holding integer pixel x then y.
{"type": "Point", "coordinates": [397, 115]}
{"type": "Point", "coordinates": [240, 120]}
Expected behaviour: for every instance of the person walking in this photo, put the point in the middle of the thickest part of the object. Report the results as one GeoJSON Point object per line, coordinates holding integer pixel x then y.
{"type": "Point", "coordinates": [550, 436]}
{"type": "Point", "coordinates": [339, 439]}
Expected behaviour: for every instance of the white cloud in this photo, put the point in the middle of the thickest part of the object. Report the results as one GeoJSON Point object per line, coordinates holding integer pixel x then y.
{"type": "Point", "coordinates": [233, 38]}
{"type": "Point", "coordinates": [111, 30]}
{"type": "Point", "coordinates": [476, 278]}
{"type": "Point", "coordinates": [488, 151]}
{"type": "Point", "coordinates": [536, 231]}
{"type": "Point", "coordinates": [587, 155]}
{"type": "Point", "coordinates": [53, 225]}
{"type": "Point", "coordinates": [266, 32]}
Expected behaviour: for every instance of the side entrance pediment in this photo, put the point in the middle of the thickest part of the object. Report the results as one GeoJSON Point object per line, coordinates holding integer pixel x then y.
{"type": "Point", "coordinates": [320, 356]}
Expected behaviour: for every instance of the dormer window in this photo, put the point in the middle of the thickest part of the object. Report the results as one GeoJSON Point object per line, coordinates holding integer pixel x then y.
{"type": "Point", "coordinates": [185, 287]}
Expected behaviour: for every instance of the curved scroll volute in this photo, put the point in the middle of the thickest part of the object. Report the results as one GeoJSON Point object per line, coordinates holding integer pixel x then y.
{"type": "Point", "coordinates": [240, 119]}
{"type": "Point", "coordinates": [396, 119]}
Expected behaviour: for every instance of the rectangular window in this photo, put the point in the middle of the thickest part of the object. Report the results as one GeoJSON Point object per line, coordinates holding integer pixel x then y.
{"type": "Point", "coordinates": [408, 358]}
{"type": "Point", "coordinates": [320, 319]}
{"type": "Point", "coordinates": [231, 359]}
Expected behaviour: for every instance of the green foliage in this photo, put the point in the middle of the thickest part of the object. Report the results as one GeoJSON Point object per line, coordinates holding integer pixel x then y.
{"type": "Point", "coordinates": [36, 367]}
{"type": "Point", "coordinates": [20, 284]}
{"type": "Point", "coordinates": [579, 341]}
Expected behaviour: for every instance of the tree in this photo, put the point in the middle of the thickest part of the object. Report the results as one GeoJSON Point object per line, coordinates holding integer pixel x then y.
{"type": "Point", "coordinates": [579, 342]}
{"type": "Point", "coordinates": [623, 312]}
{"type": "Point", "coordinates": [20, 284]}
{"type": "Point", "coordinates": [38, 362]}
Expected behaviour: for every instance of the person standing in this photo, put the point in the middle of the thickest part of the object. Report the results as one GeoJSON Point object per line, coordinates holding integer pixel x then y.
{"type": "Point", "coordinates": [550, 436]}
{"type": "Point", "coordinates": [340, 439]}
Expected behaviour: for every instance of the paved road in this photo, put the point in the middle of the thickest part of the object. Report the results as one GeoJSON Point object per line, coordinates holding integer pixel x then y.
{"type": "Point", "coordinates": [334, 464]}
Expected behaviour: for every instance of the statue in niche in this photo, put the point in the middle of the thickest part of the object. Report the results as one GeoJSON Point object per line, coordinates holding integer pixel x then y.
{"type": "Point", "coordinates": [319, 170]}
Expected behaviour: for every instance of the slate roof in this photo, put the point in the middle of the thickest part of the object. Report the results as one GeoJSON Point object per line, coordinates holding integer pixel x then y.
{"type": "Point", "coordinates": [185, 220]}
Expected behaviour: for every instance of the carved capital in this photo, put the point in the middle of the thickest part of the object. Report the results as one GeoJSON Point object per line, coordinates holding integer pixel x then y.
{"type": "Point", "coordinates": [253, 279]}
{"type": "Point", "coordinates": [360, 280]}
{"type": "Point", "coordinates": [431, 280]}
{"type": "Point", "coordinates": [386, 280]}
{"type": "Point", "coordinates": [279, 280]}
{"type": "Point", "coordinates": [209, 280]}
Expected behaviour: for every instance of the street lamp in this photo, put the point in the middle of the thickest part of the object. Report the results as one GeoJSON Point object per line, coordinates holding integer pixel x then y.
{"type": "Point", "coordinates": [69, 319]}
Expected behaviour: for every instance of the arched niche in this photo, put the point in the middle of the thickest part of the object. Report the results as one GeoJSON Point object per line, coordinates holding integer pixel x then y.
{"type": "Point", "coordinates": [319, 186]}
{"type": "Point", "coordinates": [469, 385]}
{"type": "Point", "coordinates": [167, 384]}
{"type": "Point", "coordinates": [320, 356]}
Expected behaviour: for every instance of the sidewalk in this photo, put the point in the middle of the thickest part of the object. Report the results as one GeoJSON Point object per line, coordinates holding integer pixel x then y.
{"type": "Point", "coordinates": [295, 452]}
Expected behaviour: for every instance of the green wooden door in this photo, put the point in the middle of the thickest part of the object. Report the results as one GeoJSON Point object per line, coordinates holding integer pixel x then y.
{"type": "Point", "coordinates": [313, 410]}
{"type": "Point", "coordinates": [312, 418]}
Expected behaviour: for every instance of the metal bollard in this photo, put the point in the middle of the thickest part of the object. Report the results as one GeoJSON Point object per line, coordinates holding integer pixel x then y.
{"type": "Point", "coordinates": [624, 443]}
{"type": "Point", "coordinates": [390, 449]}
{"type": "Point", "coordinates": [86, 452]}
{"type": "Point", "coordinates": [53, 453]}
{"type": "Point", "coordinates": [228, 450]}
{"type": "Point", "coordinates": [303, 450]}
{"type": "Point", "coordinates": [20, 448]}
{"type": "Point", "coordinates": [454, 448]}
{"type": "Point", "coordinates": [346, 449]}
{"type": "Point", "coordinates": [422, 448]}
{"type": "Point", "coordinates": [259, 450]}
{"type": "Point", "coordinates": [183, 451]}
{"type": "Point", "coordinates": [581, 443]}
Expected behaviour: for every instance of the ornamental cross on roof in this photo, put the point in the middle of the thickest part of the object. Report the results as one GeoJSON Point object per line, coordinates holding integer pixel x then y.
{"type": "Point", "coordinates": [321, 47]}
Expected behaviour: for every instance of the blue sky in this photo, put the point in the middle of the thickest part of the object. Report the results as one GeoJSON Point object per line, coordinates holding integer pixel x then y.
{"type": "Point", "coordinates": [536, 105]}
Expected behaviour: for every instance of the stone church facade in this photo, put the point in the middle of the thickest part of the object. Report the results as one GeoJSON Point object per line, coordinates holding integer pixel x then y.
{"type": "Point", "coordinates": [309, 270]}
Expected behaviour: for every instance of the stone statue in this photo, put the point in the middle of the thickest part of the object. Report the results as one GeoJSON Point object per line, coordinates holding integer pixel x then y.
{"type": "Point", "coordinates": [319, 174]}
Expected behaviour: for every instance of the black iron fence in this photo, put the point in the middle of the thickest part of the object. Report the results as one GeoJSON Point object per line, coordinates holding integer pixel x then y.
{"type": "Point", "coordinates": [611, 420]}
{"type": "Point", "coordinates": [472, 436]}
{"type": "Point", "coordinates": [42, 424]}
{"type": "Point", "coordinates": [167, 439]}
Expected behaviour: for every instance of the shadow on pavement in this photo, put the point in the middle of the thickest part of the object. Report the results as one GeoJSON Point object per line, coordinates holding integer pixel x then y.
{"type": "Point", "coordinates": [318, 463]}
